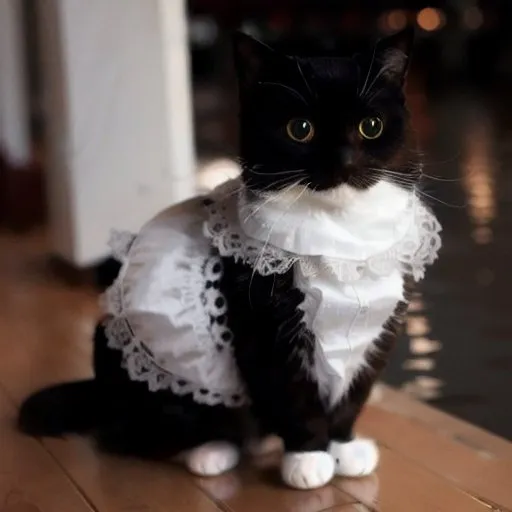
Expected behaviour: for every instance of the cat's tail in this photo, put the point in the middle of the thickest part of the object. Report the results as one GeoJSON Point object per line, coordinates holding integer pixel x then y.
{"type": "Point", "coordinates": [75, 407]}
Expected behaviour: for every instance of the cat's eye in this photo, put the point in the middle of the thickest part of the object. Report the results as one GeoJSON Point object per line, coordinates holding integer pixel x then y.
{"type": "Point", "coordinates": [371, 127]}
{"type": "Point", "coordinates": [300, 130]}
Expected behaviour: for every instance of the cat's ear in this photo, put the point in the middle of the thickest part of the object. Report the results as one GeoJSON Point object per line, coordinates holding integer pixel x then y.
{"type": "Point", "coordinates": [250, 57]}
{"type": "Point", "coordinates": [394, 54]}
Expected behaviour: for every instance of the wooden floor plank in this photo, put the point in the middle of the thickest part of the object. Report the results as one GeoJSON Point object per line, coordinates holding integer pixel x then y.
{"type": "Point", "coordinates": [257, 487]}
{"type": "Point", "coordinates": [401, 486]}
{"type": "Point", "coordinates": [444, 424]}
{"type": "Point", "coordinates": [29, 478]}
{"type": "Point", "coordinates": [355, 507]}
{"type": "Point", "coordinates": [117, 484]}
{"type": "Point", "coordinates": [480, 474]}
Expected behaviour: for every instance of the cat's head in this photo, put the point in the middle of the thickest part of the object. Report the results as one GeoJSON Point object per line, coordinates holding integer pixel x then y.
{"type": "Point", "coordinates": [324, 122]}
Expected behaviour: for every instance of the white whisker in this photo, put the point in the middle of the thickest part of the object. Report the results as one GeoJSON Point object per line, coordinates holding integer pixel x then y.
{"type": "Point", "coordinates": [304, 78]}
{"type": "Point", "coordinates": [278, 173]}
{"type": "Point", "coordinates": [369, 72]}
{"type": "Point", "coordinates": [265, 245]}
{"type": "Point", "coordinates": [395, 176]}
{"type": "Point", "coordinates": [369, 88]}
{"type": "Point", "coordinates": [438, 178]}
{"type": "Point", "coordinates": [281, 184]}
{"type": "Point", "coordinates": [458, 206]}
{"type": "Point", "coordinates": [272, 197]}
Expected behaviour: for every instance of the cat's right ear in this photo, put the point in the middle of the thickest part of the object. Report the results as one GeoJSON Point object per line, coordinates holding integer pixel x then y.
{"type": "Point", "coordinates": [394, 54]}
{"type": "Point", "coordinates": [250, 57]}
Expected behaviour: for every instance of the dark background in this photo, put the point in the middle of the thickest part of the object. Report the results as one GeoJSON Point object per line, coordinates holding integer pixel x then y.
{"type": "Point", "coordinates": [458, 350]}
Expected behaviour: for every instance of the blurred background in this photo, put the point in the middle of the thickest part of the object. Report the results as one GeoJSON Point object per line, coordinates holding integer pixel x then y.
{"type": "Point", "coordinates": [110, 111]}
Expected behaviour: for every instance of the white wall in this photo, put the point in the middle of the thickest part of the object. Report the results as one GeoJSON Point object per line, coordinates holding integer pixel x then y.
{"type": "Point", "coordinates": [118, 105]}
{"type": "Point", "coordinates": [14, 122]}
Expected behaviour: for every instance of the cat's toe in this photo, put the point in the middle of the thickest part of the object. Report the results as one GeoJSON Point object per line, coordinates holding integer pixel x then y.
{"type": "Point", "coordinates": [355, 458]}
{"type": "Point", "coordinates": [307, 470]}
{"type": "Point", "coordinates": [212, 459]}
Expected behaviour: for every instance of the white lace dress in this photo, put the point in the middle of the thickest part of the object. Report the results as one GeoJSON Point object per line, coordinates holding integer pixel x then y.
{"type": "Point", "coordinates": [166, 311]}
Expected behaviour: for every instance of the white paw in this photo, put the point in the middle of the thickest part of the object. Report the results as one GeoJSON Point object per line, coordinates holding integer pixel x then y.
{"type": "Point", "coordinates": [307, 470]}
{"type": "Point", "coordinates": [212, 459]}
{"type": "Point", "coordinates": [355, 458]}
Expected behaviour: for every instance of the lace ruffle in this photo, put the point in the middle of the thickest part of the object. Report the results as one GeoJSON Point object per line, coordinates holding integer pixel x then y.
{"type": "Point", "coordinates": [200, 307]}
{"type": "Point", "coordinates": [411, 255]}
{"type": "Point", "coordinates": [223, 229]}
{"type": "Point", "coordinates": [139, 362]}
{"type": "Point", "coordinates": [120, 243]}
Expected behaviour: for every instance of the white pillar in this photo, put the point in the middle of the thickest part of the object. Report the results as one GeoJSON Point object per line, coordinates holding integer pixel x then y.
{"type": "Point", "coordinates": [177, 90]}
{"type": "Point", "coordinates": [118, 108]}
{"type": "Point", "coordinates": [14, 106]}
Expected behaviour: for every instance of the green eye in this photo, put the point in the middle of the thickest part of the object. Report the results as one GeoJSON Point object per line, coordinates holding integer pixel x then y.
{"type": "Point", "coordinates": [300, 130]}
{"type": "Point", "coordinates": [371, 127]}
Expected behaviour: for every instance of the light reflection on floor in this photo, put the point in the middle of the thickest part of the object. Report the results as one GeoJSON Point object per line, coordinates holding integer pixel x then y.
{"type": "Point", "coordinates": [421, 361]}
{"type": "Point", "coordinates": [478, 178]}
{"type": "Point", "coordinates": [457, 353]}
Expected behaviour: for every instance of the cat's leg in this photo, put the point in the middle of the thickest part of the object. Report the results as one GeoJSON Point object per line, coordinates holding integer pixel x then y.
{"type": "Point", "coordinates": [286, 396]}
{"type": "Point", "coordinates": [355, 456]}
{"type": "Point", "coordinates": [274, 352]}
{"type": "Point", "coordinates": [306, 463]}
{"type": "Point", "coordinates": [287, 399]}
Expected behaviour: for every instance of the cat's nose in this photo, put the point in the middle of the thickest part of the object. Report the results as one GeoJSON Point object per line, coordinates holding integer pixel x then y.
{"type": "Point", "coordinates": [347, 157]}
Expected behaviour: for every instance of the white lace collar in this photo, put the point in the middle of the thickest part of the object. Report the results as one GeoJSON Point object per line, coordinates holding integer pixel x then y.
{"type": "Point", "coordinates": [349, 243]}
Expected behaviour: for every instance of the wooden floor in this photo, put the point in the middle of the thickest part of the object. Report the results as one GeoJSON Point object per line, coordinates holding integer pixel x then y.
{"type": "Point", "coordinates": [430, 461]}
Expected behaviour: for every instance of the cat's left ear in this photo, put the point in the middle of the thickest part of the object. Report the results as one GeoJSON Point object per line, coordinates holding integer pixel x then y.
{"type": "Point", "coordinates": [394, 54]}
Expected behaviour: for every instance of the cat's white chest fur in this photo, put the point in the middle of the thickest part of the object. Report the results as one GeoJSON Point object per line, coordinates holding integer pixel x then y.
{"type": "Point", "coordinates": [346, 319]}
{"type": "Point", "coordinates": [349, 250]}
{"type": "Point", "coordinates": [345, 310]}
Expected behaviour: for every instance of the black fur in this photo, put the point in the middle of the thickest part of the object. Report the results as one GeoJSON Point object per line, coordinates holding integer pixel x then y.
{"type": "Point", "coordinates": [270, 339]}
{"type": "Point", "coordinates": [270, 344]}
{"type": "Point", "coordinates": [335, 94]}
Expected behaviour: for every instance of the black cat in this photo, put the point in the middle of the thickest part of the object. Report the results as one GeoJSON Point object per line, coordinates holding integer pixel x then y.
{"type": "Point", "coordinates": [270, 306]}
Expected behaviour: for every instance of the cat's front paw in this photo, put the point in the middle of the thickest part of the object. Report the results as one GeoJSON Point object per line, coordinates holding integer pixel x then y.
{"type": "Point", "coordinates": [212, 459]}
{"type": "Point", "coordinates": [307, 470]}
{"type": "Point", "coordinates": [355, 458]}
